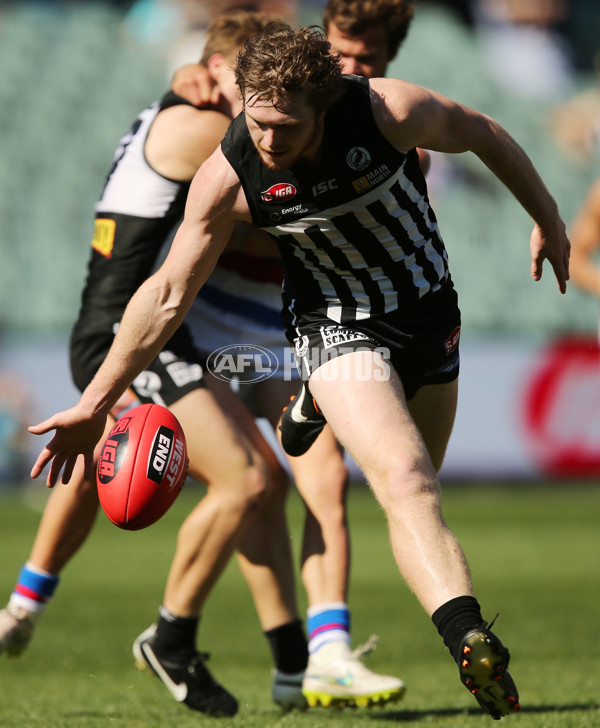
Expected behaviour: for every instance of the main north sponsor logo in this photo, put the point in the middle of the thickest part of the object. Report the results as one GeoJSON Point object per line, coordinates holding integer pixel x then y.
{"type": "Point", "coordinates": [244, 363]}
{"type": "Point", "coordinates": [280, 192]}
{"type": "Point", "coordinates": [372, 178]}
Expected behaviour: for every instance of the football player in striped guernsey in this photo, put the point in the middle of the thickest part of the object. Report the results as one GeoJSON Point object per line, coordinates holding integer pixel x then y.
{"type": "Point", "coordinates": [241, 303]}
{"type": "Point", "coordinates": [368, 299]}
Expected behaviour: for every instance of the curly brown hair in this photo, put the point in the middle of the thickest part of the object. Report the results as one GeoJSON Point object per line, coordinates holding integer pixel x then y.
{"type": "Point", "coordinates": [353, 17]}
{"type": "Point", "coordinates": [282, 61]}
{"type": "Point", "coordinates": [228, 31]}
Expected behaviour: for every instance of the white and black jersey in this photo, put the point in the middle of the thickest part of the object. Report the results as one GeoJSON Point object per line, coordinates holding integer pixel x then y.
{"type": "Point", "coordinates": [135, 215]}
{"type": "Point", "coordinates": [137, 210]}
{"type": "Point", "coordinates": [355, 230]}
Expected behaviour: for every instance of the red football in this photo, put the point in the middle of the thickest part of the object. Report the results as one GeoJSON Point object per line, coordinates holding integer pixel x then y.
{"type": "Point", "coordinates": [142, 467]}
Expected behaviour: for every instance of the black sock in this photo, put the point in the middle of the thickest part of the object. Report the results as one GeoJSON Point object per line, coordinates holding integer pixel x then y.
{"type": "Point", "coordinates": [454, 619]}
{"type": "Point", "coordinates": [175, 636]}
{"type": "Point", "coordinates": [289, 647]}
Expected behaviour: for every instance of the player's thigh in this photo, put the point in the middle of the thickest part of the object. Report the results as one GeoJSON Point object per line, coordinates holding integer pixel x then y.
{"type": "Point", "coordinates": [433, 409]}
{"type": "Point", "coordinates": [231, 403]}
{"type": "Point", "coordinates": [321, 475]}
{"type": "Point", "coordinates": [218, 448]}
{"type": "Point", "coordinates": [369, 415]}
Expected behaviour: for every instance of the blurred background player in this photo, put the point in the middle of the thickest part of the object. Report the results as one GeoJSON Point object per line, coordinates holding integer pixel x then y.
{"type": "Point", "coordinates": [585, 242]}
{"type": "Point", "coordinates": [178, 29]}
{"type": "Point", "coordinates": [367, 34]}
{"type": "Point", "coordinates": [142, 200]}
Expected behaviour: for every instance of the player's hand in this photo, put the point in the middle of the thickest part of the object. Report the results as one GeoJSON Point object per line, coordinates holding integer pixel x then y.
{"type": "Point", "coordinates": [555, 247]}
{"type": "Point", "coordinates": [195, 84]}
{"type": "Point", "coordinates": [75, 434]}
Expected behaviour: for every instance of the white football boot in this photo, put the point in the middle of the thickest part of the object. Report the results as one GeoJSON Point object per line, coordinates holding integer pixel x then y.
{"type": "Point", "coordinates": [336, 676]}
{"type": "Point", "coordinates": [16, 629]}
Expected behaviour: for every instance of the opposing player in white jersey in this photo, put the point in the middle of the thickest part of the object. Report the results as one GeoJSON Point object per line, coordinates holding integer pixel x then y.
{"type": "Point", "coordinates": [368, 297]}
{"type": "Point", "coordinates": [143, 198]}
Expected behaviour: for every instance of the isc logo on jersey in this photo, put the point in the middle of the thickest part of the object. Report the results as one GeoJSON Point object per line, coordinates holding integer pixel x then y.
{"type": "Point", "coordinates": [279, 193]}
{"type": "Point", "coordinates": [160, 463]}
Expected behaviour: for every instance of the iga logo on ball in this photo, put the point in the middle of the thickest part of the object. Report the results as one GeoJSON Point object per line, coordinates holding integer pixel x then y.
{"type": "Point", "coordinates": [142, 467]}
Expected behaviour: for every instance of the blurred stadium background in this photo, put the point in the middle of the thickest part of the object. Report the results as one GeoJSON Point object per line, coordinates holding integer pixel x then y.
{"type": "Point", "coordinates": [74, 75]}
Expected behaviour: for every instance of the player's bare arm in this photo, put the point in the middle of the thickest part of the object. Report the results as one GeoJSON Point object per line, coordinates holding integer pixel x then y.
{"type": "Point", "coordinates": [585, 236]}
{"type": "Point", "coordinates": [411, 116]}
{"type": "Point", "coordinates": [182, 138]}
{"type": "Point", "coordinates": [150, 319]}
{"type": "Point", "coordinates": [161, 302]}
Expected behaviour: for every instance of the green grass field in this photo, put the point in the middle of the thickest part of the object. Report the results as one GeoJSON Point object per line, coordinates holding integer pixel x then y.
{"type": "Point", "coordinates": [534, 552]}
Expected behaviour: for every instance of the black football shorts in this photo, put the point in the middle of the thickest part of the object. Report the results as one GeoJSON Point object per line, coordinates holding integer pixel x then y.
{"type": "Point", "coordinates": [176, 371]}
{"type": "Point", "coordinates": [423, 349]}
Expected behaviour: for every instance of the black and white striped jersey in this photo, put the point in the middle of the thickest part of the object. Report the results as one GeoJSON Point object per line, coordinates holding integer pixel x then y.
{"type": "Point", "coordinates": [136, 212]}
{"type": "Point", "coordinates": [356, 232]}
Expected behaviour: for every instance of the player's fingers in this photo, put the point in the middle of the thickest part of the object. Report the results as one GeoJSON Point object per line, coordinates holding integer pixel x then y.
{"type": "Point", "coordinates": [88, 464]}
{"type": "Point", "coordinates": [42, 460]}
{"type": "Point", "coordinates": [562, 284]}
{"type": "Point", "coordinates": [55, 467]}
{"type": "Point", "coordinates": [215, 95]}
{"type": "Point", "coordinates": [193, 93]}
{"type": "Point", "coordinates": [42, 427]}
{"type": "Point", "coordinates": [561, 271]}
{"type": "Point", "coordinates": [68, 469]}
{"type": "Point", "coordinates": [536, 268]}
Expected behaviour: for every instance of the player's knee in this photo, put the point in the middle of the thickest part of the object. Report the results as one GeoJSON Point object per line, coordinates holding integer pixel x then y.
{"type": "Point", "coordinates": [336, 475]}
{"type": "Point", "coordinates": [333, 518]}
{"type": "Point", "coordinates": [325, 486]}
{"type": "Point", "coordinates": [253, 487]}
{"type": "Point", "coordinates": [406, 482]}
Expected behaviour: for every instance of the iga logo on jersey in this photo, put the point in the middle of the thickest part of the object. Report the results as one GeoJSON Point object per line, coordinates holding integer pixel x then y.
{"type": "Point", "coordinates": [280, 192]}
